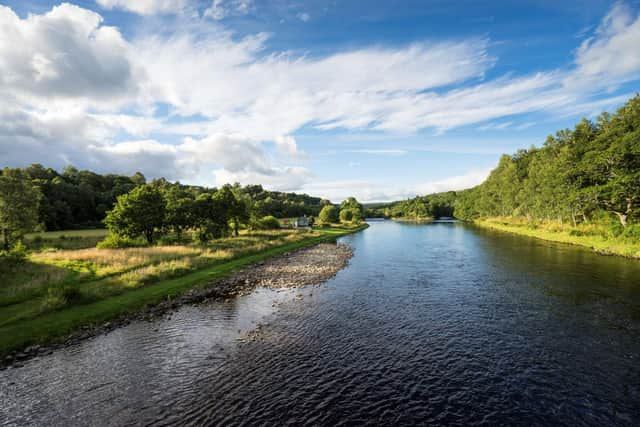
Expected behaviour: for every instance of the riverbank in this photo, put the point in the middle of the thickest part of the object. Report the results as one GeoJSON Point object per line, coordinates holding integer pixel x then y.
{"type": "Point", "coordinates": [569, 235]}
{"type": "Point", "coordinates": [27, 336]}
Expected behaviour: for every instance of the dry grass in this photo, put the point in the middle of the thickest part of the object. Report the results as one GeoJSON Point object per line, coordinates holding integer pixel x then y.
{"type": "Point", "coordinates": [101, 272]}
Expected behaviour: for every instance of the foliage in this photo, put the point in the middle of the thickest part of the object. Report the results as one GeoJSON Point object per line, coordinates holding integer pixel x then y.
{"type": "Point", "coordinates": [140, 212]}
{"type": "Point", "coordinates": [19, 200]}
{"type": "Point", "coordinates": [329, 214]}
{"type": "Point", "coordinates": [346, 215]}
{"type": "Point", "coordinates": [74, 199]}
{"type": "Point", "coordinates": [421, 207]}
{"type": "Point", "coordinates": [267, 223]}
{"type": "Point", "coordinates": [114, 241]}
{"type": "Point", "coordinates": [582, 175]}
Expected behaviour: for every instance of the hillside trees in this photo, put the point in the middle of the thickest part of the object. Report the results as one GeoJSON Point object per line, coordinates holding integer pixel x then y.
{"type": "Point", "coordinates": [576, 175]}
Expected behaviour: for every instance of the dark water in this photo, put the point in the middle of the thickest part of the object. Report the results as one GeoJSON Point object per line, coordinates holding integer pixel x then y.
{"type": "Point", "coordinates": [430, 324]}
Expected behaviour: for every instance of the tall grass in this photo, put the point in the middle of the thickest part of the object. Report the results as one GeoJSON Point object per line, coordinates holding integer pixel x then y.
{"type": "Point", "coordinates": [603, 238]}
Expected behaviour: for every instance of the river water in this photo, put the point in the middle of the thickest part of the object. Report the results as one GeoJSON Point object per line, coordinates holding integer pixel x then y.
{"type": "Point", "coordinates": [437, 323]}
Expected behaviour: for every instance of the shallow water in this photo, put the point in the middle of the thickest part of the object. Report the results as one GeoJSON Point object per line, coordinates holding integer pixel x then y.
{"type": "Point", "coordinates": [433, 323]}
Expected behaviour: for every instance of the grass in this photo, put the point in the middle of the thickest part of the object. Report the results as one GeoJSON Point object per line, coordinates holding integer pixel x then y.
{"type": "Point", "coordinates": [589, 235]}
{"type": "Point", "coordinates": [98, 285]}
{"type": "Point", "coordinates": [67, 239]}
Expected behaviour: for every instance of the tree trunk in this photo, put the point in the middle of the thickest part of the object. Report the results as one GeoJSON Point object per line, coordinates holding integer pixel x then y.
{"type": "Point", "coordinates": [573, 218]}
{"type": "Point", "coordinates": [622, 217]}
{"type": "Point", "coordinates": [149, 236]}
{"type": "Point", "coordinates": [584, 218]}
{"type": "Point", "coordinates": [235, 228]}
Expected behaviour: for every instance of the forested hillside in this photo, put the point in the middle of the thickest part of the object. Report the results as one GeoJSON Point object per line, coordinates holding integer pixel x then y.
{"type": "Point", "coordinates": [74, 199]}
{"type": "Point", "coordinates": [421, 207]}
{"type": "Point", "coordinates": [589, 173]}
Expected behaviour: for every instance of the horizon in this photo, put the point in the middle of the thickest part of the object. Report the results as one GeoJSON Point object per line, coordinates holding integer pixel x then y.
{"type": "Point", "coordinates": [282, 94]}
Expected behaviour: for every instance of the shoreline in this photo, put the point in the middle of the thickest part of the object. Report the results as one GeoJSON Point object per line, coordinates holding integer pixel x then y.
{"type": "Point", "coordinates": [236, 277]}
{"type": "Point", "coordinates": [599, 245]}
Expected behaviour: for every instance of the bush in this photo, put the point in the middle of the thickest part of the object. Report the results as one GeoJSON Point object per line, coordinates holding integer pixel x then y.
{"type": "Point", "coordinates": [267, 223]}
{"type": "Point", "coordinates": [16, 254]}
{"type": "Point", "coordinates": [113, 241]}
{"type": "Point", "coordinates": [174, 239]}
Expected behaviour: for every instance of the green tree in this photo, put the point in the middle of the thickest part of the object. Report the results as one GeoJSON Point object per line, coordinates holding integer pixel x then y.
{"type": "Point", "coordinates": [19, 200]}
{"type": "Point", "coordinates": [329, 214]}
{"type": "Point", "coordinates": [179, 209]}
{"type": "Point", "coordinates": [346, 215]}
{"type": "Point", "coordinates": [140, 212]}
{"type": "Point", "coordinates": [211, 216]}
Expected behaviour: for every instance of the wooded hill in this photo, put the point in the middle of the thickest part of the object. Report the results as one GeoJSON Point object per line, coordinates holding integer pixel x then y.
{"type": "Point", "coordinates": [77, 199]}
{"type": "Point", "coordinates": [589, 173]}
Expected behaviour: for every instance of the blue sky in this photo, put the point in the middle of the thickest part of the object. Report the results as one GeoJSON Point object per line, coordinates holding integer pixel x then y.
{"type": "Point", "coordinates": [381, 100]}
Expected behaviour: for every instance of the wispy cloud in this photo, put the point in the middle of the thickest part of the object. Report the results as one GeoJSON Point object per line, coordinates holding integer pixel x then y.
{"type": "Point", "coordinates": [380, 152]}
{"type": "Point", "coordinates": [76, 87]}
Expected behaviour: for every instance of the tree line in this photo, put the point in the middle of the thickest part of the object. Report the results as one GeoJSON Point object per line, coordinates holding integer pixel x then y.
{"type": "Point", "coordinates": [589, 173]}
{"type": "Point", "coordinates": [35, 198]}
{"type": "Point", "coordinates": [421, 207]}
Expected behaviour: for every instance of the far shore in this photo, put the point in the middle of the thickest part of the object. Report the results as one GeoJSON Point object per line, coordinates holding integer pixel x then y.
{"type": "Point", "coordinates": [599, 244]}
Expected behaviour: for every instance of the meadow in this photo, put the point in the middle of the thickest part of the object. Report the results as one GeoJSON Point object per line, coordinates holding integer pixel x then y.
{"type": "Point", "coordinates": [55, 291]}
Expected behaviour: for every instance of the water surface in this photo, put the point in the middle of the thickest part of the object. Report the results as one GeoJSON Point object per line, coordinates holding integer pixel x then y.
{"type": "Point", "coordinates": [433, 323]}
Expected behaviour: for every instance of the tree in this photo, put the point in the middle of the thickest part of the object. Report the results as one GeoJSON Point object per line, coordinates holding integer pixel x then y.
{"type": "Point", "coordinates": [211, 216]}
{"type": "Point", "coordinates": [346, 215]}
{"type": "Point", "coordinates": [238, 205]}
{"type": "Point", "coordinates": [329, 214]}
{"type": "Point", "coordinates": [19, 200]}
{"type": "Point", "coordinates": [140, 212]}
{"type": "Point", "coordinates": [351, 203]}
{"type": "Point", "coordinates": [179, 209]}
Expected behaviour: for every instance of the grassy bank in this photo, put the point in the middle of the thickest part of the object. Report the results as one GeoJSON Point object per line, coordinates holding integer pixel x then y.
{"type": "Point", "coordinates": [72, 288]}
{"type": "Point", "coordinates": [589, 235]}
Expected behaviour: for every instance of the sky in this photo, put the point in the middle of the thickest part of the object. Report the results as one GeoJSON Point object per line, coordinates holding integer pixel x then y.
{"type": "Point", "coordinates": [377, 100]}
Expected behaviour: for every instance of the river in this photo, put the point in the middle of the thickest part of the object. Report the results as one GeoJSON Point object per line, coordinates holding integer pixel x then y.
{"type": "Point", "coordinates": [439, 323]}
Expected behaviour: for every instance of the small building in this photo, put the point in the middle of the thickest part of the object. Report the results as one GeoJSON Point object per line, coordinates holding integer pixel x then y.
{"type": "Point", "coordinates": [301, 222]}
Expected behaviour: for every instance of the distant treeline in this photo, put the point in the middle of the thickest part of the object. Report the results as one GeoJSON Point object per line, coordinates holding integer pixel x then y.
{"type": "Point", "coordinates": [77, 199]}
{"type": "Point", "coordinates": [421, 207]}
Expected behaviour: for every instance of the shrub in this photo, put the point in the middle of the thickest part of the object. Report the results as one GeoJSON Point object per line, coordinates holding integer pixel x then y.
{"type": "Point", "coordinates": [16, 254]}
{"type": "Point", "coordinates": [267, 223]}
{"type": "Point", "coordinates": [113, 241]}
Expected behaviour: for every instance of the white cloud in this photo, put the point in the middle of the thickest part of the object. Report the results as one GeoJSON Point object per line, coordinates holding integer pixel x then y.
{"type": "Point", "coordinates": [145, 7]}
{"type": "Point", "coordinates": [454, 183]}
{"type": "Point", "coordinates": [303, 16]}
{"type": "Point", "coordinates": [613, 53]}
{"type": "Point", "coordinates": [72, 87]}
{"type": "Point", "coordinates": [220, 9]}
{"type": "Point", "coordinates": [287, 144]}
{"type": "Point", "coordinates": [65, 56]}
